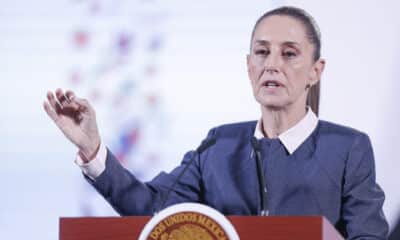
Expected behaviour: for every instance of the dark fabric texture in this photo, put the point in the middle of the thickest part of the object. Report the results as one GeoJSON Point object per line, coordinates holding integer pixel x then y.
{"type": "Point", "coordinates": [332, 173]}
{"type": "Point", "coordinates": [395, 234]}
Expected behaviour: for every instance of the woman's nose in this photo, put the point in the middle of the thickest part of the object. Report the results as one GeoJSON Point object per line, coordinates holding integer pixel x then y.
{"type": "Point", "coordinates": [272, 63]}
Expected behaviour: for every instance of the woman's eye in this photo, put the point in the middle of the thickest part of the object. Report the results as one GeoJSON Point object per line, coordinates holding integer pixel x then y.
{"type": "Point", "coordinates": [261, 52]}
{"type": "Point", "coordinates": [289, 54]}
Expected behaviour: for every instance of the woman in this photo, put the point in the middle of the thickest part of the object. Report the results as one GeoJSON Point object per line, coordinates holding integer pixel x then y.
{"type": "Point", "coordinates": [311, 167]}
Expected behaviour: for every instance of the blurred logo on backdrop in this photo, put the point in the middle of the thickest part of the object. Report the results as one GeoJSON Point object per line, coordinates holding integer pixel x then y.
{"type": "Point", "coordinates": [115, 63]}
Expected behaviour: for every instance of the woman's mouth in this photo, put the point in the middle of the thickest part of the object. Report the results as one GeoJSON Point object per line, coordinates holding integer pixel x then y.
{"type": "Point", "coordinates": [272, 84]}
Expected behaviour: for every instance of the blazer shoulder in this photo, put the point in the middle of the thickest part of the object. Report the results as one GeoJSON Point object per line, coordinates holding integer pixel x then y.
{"type": "Point", "coordinates": [331, 129]}
{"type": "Point", "coordinates": [335, 138]}
{"type": "Point", "coordinates": [336, 146]}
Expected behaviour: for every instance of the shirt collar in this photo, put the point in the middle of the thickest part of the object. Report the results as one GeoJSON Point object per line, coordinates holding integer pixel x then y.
{"type": "Point", "coordinates": [296, 135]}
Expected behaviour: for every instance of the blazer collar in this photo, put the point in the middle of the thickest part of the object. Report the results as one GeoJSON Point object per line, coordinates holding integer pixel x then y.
{"type": "Point", "coordinates": [296, 135]}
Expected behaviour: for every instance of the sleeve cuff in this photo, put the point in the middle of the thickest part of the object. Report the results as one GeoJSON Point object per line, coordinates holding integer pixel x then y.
{"type": "Point", "coordinates": [95, 167]}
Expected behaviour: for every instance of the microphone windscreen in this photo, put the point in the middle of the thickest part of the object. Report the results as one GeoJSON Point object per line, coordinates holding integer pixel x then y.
{"type": "Point", "coordinates": [206, 144]}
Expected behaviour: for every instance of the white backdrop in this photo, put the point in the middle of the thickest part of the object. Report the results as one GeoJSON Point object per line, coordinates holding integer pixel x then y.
{"type": "Point", "coordinates": [199, 81]}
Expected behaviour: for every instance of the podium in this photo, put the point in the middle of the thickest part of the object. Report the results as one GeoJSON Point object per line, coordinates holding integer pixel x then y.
{"type": "Point", "coordinates": [248, 228]}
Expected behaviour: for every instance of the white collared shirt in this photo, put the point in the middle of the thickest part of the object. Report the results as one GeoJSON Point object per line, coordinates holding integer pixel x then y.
{"type": "Point", "coordinates": [296, 135]}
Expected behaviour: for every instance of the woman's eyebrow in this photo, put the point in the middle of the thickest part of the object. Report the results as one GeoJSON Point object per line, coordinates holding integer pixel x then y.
{"type": "Point", "coordinates": [262, 42]}
{"type": "Point", "coordinates": [285, 43]}
{"type": "Point", "coordinates": [291, 44]}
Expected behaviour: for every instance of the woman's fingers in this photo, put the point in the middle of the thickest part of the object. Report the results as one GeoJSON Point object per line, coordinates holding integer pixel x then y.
{"type": "Point", "coordinates": [83, 104]}
{"type": "Point", "coordinates": [66, 104]}
{"type": "Point", "coordinates": [62, 99]}
{"type": "Point", "coordinates": [76, 103]}
{"type": "Point", "coordinates": [67, 100]}
{"type": "Point", "coordinates": [53, 102]}
{"type": "Point", "coordinates": [50, 111]}
{"type": "Point", "coordinates": [70, 95]}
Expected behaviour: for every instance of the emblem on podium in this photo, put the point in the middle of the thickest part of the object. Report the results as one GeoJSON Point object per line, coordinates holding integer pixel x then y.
{"type": "Point", "coordinates": [189, 221]}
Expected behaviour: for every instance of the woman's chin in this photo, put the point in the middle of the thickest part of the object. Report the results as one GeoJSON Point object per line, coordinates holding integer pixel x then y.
{"type": "Point", "coordinates": [273, 104]}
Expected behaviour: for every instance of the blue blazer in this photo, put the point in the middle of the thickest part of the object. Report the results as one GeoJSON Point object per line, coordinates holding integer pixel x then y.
{"type": "Point", "coordinates": [332, 173]}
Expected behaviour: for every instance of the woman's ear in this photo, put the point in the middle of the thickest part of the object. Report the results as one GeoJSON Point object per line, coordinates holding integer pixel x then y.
{"type": "Point", "coordinates": [316, 71]}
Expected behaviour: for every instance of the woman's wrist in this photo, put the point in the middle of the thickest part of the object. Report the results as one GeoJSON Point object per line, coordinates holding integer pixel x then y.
{"type": "Point", "coordinates": [89, 152]}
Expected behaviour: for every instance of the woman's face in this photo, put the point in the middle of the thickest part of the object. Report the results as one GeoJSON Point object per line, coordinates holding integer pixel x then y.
{"type": "Point", "coordinates": [280, 64]}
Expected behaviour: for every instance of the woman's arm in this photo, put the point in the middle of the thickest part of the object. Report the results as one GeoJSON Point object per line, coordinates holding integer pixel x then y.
{"type": "Point", "coordinates": [362, 198]}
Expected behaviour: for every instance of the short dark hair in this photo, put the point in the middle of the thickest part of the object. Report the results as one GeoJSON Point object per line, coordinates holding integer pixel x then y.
{"type": "Point", "coordinates": [314, 36]}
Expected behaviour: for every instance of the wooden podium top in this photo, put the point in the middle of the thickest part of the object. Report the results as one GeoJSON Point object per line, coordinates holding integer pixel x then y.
{"type": "Point", "coordinates": [248, 227]}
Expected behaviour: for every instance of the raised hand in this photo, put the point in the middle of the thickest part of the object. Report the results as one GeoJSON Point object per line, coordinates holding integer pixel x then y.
{"type": "Point", "coordinates": [76, 119]}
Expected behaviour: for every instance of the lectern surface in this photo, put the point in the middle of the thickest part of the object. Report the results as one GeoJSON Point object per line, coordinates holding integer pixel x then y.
{"type": "Point", "coordinates": [248, 228]}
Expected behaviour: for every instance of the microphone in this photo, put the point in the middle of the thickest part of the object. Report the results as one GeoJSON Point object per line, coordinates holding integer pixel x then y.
{"type": "Point", "coordinates": [261, 178]}
{"type": "Point", "coordinates": [203, 146]}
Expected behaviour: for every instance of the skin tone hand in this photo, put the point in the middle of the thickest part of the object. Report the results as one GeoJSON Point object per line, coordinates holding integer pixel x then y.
{"type": "Point", "coordinates": [76, 119]}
